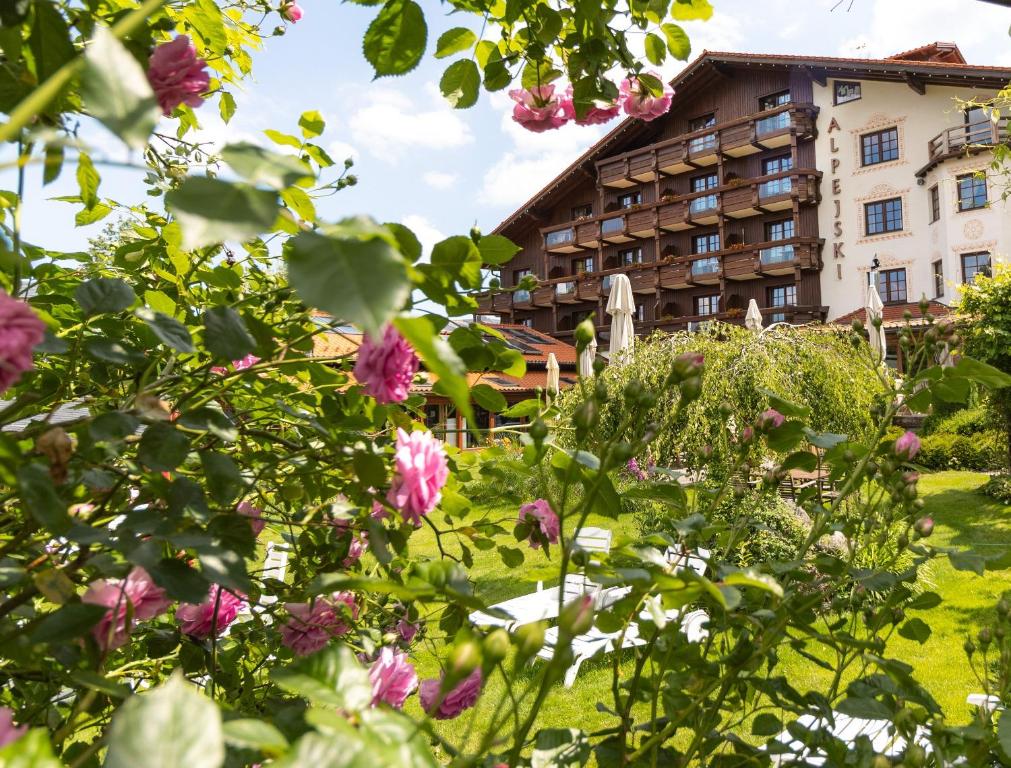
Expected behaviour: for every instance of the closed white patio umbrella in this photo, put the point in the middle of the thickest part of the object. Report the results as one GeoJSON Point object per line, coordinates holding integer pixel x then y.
{"type": "Point", "coordinates": [586, 358]}
{"type": "Point", "coordinates": [553, 382]}
{"type": "Point", "coordinates": [875, 307]}
{"type": "Point", "coordinates": [753, 319]}
{"type": "Point", "coordinates": [621, 307]}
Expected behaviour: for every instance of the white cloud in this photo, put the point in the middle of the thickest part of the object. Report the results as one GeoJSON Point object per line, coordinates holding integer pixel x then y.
{"type": "Point", "coordinates": [391, 123]}
{"type": "Point", "coordinates": [340, 150]}
{"type": "Point", "coordinates": [426, 232]}
{"type": "Point", "coordinates": [440, 179]}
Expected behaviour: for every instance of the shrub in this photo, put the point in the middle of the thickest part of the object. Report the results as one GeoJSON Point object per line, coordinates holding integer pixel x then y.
{"type": "Point", "coordinates": [999, 488]}
{"type": "Point", "coordinates": [968, 421]}
{"type": "Point", "coordinates": [982, 452]}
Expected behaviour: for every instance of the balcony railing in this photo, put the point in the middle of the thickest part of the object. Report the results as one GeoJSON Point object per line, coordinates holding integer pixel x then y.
{"type": "Point", "coordinates": [707, 266]}
{"type": "Point", "coordinates": [702, 143]}
{"type": "Point", "coordinates": [775, 187]}
{"type": "Point", "coordinates": [772, 124]}
{"type": "Point", "coordinates": [521, 296]}
{"type": "Point", "coordinates": [560, 237]}
{"type": "Point", "coordinates": [568, 288]}
{"type": "Point", "coordinates": [612, 226]}
{"type": "Point", "coordinates": [978, 135]}
{"type": "Point", "coordinates": [704, 203]}
{"type": "Point", "coordinates": [777, 254]}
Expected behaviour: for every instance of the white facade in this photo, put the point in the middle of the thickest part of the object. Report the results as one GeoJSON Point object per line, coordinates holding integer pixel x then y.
{"type": "Point", "coordinates": [849, 184]}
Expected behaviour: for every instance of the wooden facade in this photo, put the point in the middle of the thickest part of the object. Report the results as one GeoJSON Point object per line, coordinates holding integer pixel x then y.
{"type": "Point", "coordinates": [717, 199]}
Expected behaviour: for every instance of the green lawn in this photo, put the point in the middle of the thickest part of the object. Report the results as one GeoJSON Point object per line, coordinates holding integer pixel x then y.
{"type": "Point", "coordinates": [963, 518]}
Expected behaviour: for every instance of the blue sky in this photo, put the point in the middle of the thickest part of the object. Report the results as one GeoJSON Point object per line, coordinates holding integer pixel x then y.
{"type": "Point", "coordinates": [441, 170]}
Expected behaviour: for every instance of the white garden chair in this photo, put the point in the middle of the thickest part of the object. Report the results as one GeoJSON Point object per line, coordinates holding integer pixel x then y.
{"type": "Point", "coordinates": [881, 733]}
{"type": "Point", "coordinates": [544, 603]}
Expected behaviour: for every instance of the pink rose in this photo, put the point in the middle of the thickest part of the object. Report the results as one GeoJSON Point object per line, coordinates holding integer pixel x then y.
{"type": "Point", "coordinates": [747, 435]}
{"type": "Point", "coordinates": [212, 615]}
{"type": "Point", "coordinates": [255, 515]}
{"type": "Point", "coordinates": [421, 471]}
{"type": "Point", "coordinates": [462, 697]}
{"type": "Point", "coordinates": [21, 330]}
{"type": "Point", "coordinates": [136, 593]}
{"type": "Point", "coordinates": [771, 419]}
{"type": "Point", "coordinates": [386, 367]}
{"type": "Point", "coordinates": [637, 101]}
{"type": "Point", "coordinates": [538, 109]}
{"type": "Point", "coordinates": [359, 546]}
{"type": "Point", "coordinates": [596, 115]}
{"type": "Point", "coordinates": [907, 446]}
{"type": "Point", "coordinates": [176, 75]}
{"type": "Point", "coordinates": [291, 12]}
{"type": "Point", "coordinates": [239, 365]}
{"type": "Point", "coordinates": [312, 625]}
{"type": "Point", "coordinates": [406, 630]}
{"type": "Point", "coordinates": [393, 678]}
{"type": "Point", "coordinates": [379, 512]}
{"type": "Point", "coordinates": [544, 520]}
{"type": "Point", "coordinates": [9, 733]}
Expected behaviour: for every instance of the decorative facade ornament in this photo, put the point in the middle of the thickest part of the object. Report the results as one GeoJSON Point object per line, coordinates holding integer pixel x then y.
{"type": "Point", "coordinates": [973, 229]}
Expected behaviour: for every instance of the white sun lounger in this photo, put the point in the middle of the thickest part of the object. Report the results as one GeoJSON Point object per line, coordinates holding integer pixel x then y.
{"type": "Point", "coordinates": [881, 733]}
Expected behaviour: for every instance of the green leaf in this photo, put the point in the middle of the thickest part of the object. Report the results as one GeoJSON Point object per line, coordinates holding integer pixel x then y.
{"type": "Point", "coordinates": [104, 295]}
{"type": "Point", "coordinates": [1004, 731]}
{"type": "Point", "coordinates": [169, 727]}
{"type": "Point", "coordinates": [226, 106]}
{"type": "Point", "coordinates": [248, 733]}
{"type": "Point", "coordinates": [211, 211]}
{"type": "Point", "coordinates": [113, 351]}
{"type": "Point", "coordinates": [112, 426]}
{"type": "Point", "coordinates": [363, 281]}
{"type": "Point", "coordinates": [460, 258]}
{"type": "Point", "coordinates": [461, 83]}
{"type": "Point", "coordinates": [224, 480]}
{"type": "Point", "coordinates": [87, 216]}
{"type": "Point", "coordinates": [496, 249]}
{"type": "Point", "coordinates": [87, 180]}
{"type": "Point", "coordinates": [39, 497]}
{"type": "Point", "coordinates": [332, 677]}
{"type": "Point", "coordinates": [439, 358]}
{"type": "Point", "coordinates": [785, 437]}
{"type": "Point", "coordinates": [407, 241]}
{"type": "Point", "coordinates": [169, 330]}
{"type": "Point", "coordinates": [100, 683]}
{"type": "Point", "coordinates": [766, 724]}
{"type": "Point", "coordinates": [300, 203]}
{"type": "Point", "coordinates": [691, 10]}
{"type": "Point", "coordinates": [53, 163]}
{"type": "Point", "coordinates": [116, 90]}
{"type": "Point", "coordinates": [181, 581]}
{"type": "Point", "coordinates": [924, 601]}
{"type": "Point", "coordinates": [261, 166]}
{"type": "Point", "coordinates": [915, 629]}
{"type": "Point", "coordinates": [752, 578]}
{"type": "Point", "coordinates": [30, 751]}
{"type": "Point", "coordinates": [524, 409]}
{"type": "Point", "coordinates": [804, 460]}
{"type": "Point", "coordinates": [395, 40]}
{"type": "Point", "coordinates": [981, 373]}
{"type": "Point", "coordinates": [453, 41]}
{"type": "Point", "coordinates": [284, 139]}
{"type": "Point", "coordinates": [68, 623]}
{"type": "Point", "coordinates": [560, 748]}
{"type": "Point", "coordinates": [50, 40]}
{"type": "Point", "coordinates": [370, 469]}
{"type": "Point", "coordinates": [511, 556]}
{"type": "Point", "coordinates": [678, 44]}
{"type": "Point", "coordinates": [312, 124]}
{"type": "Point", "coordinates": [225, 334]}
{"type": "Point", "coordinates": [967, 561]}
{"type": "Point", "coordinates": [866, 708]}
{"type": "Point", "coordinates": [488, 398]}
{"type": "Point", "coordinates": [656, 49]}
{"type": "Point", "coordinates": [163, 447]}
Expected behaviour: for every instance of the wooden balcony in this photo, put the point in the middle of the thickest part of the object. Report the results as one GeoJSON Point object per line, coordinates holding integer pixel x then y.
{"type": "Point", "coordinates": [775, 192]}
{"type": "Point", "coordinates": [704, 270]}
{"type": "Point", "coordinates": [588, 287]}
{"type": "Point", "coordinates": [522, 299]}
{"type": "Point", "coordinates": [565, 292]}
{"type": "Point", "coordinates": [673, 216]}
{"type": "Point", "coordinates": [561, 240]}
{"type": "Point", "coordinates": [700, 149]}
{"type": "Point", "coordinates": [588, 234]}
{"type": "Point", "coordinates": [642, 223]}
{"type": "Point", "coordinates": [673, 275]}
{"type": "Point", "coordinates": [543, 295]}
{"type": "Point", "coordinates": [643, 280]}
{"type": "Point", "coordinates": [614, 229]}
{"type": "Point", "coordinates": [977, 136]}
{"type": "Point", "coordinates": [703, 208]}
{"type": "Point", "coordinates": [794, 314]}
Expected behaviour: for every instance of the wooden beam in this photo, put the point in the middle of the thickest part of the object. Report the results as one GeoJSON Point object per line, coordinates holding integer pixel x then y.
{"type": "Point", "coordinates": [915, 83]}
{"type": "Point", "coordinates": [817, 74]}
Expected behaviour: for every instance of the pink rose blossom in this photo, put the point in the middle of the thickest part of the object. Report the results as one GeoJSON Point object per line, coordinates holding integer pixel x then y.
{"type": "Point", "coordinates": [393, 678]}
{"type": "Point", "coordinates": [406, 630]}
{"type": "Point", "coordinates": [538, 109]}
{"type": "Point", "coordinates": [291, 12]}
{"type": "Point", "coordinates": [771, 419]}
{"type": "Point", "coordinates": [21, 330]}
{"type": "Point", "coordinates": [907, 446]}
{"type": "Point", "coordinates": [379, 512]}
{"type": "Point", "coordinates": [462, 697]}
{"type": "Point", "coordinates": [386, 367]}
{"type": "Point", "coordinates": [9, 733]}
{"type": "Point", "coordinates": [595, 115]}
{"type": "Point", "coordinates": [255, 515]}
{"type": "Point", "coordinates": [137, 593]}
{"type": "Point", "coordinates": [312, 625]}
{"type": "Point", "coordinates": [238, 365]}
{"type": "Point", "coordinates": [177, 75]}
{"type": "Point", "coordinates": [359, 546]}
{"type": "Point", "coordinates": [637, 101]}
{"type": "Point", "coordinates": [544, 520]}
{"type": "Point", "coordinates": [211, 616]}
{"type": "Point", "coordinates": [421, 471]}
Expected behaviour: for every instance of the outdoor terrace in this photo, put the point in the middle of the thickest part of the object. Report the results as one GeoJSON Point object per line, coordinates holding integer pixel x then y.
{"type": "Point", "coordinates": [977, 136]}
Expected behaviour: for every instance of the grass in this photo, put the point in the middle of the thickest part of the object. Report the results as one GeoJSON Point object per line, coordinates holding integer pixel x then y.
{"type": "Point", "coordinates": [964, 519]}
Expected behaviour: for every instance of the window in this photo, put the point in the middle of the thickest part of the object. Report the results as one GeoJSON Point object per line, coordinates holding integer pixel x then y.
{"type": "Point", "coordinates": [938, 267]}
{"type": "Point", "coordinates": [780, 186]}
{"type": "Point", "coordinates": [977, 126]}
{"type": "Point", "coordinates": [935, 204]}
{"type": "Point", "coordinates": [880, 146]}
{"type": "Point", "coordinates": [846, 91]}
{"type": "Point", "coordinates": [700, 124]}
{"type": "Point", "coordinates": [519, 274]}
{"type": "Point", "coordinates": [559, 237]}
{"type": "Point", "coordinates": [779, 164]}
{"type": "Point", "coordinates": [584, 265]}
{"type": "Point", "coordinates": [892, 285]}
{"type": "Point", "coordinates": [774, 100]}
{"type": "Point", "coordinates": [974, 264]}
{"type": "Point", "coordinates": [582, 211]}
{"type": "Point", "coordinates": [782, 296]}
{"type": "Point", "coordinates": [707, 305]}
{"type": "Point", "coordinates": [883, 216]}
{"type": "Point", "coordinates": [630, 256]}
{"type": "Point", "coordinates": [701, 184]}
{"type": "Point", "coordinates": [640, 312]}
{"type": "Point", "coordinates": [527, 322]}
{"type": "Point", "coordinates": [629, 199]}
{"type": "Point", "coordinates": [706, 243]}
{"type": "Point", "coordinates": [971, 192]}
{"type": "Point", "coordinates": [779, 230]}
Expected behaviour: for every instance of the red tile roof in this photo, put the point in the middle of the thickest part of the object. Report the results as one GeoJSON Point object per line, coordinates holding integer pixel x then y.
{"type": "Point", "coordinates": [536, 346]}
{"type": "Point", "coordinates": [937, 51]}
{"type": "Point", "coordinates": [893, 315]}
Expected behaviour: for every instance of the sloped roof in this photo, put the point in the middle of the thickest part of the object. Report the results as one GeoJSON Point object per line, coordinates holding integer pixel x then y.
{"type": "Point", "coordinates": [901, 66]}
{"type": "Point", "coordinates": [893, 315]}
{"type": "Point", "coordinates": [936, 51]}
